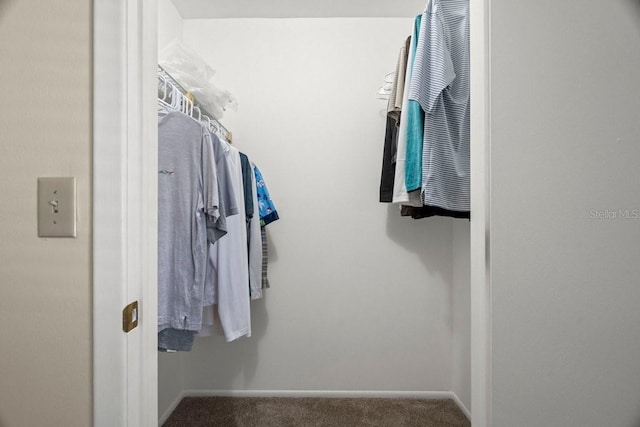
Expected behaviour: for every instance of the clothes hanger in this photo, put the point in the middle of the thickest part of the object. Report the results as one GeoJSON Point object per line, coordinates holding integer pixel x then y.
{"type": "Point", "coordinates": [194, 110]}
{"type": "Point", "coordinates": [388, 78]}
{"type": "Point", "coordinates": [171, 97]}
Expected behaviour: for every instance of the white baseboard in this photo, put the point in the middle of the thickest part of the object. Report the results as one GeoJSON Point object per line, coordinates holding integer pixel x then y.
{"type": "Point", "coordinates": [317, 393]}
{"type": "Point", "coordinates": [463, 408]}
{"type": "Point", "coordinates": [171, 408]}
{"type": "Point", "coordinates": [322, 393]}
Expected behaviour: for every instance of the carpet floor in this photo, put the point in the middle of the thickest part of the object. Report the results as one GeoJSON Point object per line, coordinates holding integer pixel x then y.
{"type": "Point", "coordinates": [315, 412]}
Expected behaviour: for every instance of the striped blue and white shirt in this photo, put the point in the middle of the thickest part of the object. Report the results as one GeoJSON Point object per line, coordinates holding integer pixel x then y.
{"type": "Point", "coordinates": [440, 83]}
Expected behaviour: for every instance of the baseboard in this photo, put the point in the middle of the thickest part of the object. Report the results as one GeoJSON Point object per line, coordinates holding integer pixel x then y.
{"type": "Point", "coordinates": [323, 393]}
{"type": "Point", "coordinates": [463, 408]}
{"type": "Point", "coordinates": [172, 408]}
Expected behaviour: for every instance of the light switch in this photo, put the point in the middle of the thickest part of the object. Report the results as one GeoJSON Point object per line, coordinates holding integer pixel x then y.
{"type": "Point", "coordinates": [57, 207]}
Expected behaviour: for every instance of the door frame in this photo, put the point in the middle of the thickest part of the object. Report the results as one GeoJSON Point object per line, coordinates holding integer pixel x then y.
{"type": "Point", "coordinates": [124, 211]}
{"type": "Point", "coordinates": [481, 341]}
{"type": "Point", "coordinates": [125, 375]}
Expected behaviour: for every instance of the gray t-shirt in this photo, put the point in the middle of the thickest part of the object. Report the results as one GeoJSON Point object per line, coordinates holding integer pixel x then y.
{"type": "Point", "coordinates": [187, 196]}
{"type": "Point", "coordinates": [227, 202]}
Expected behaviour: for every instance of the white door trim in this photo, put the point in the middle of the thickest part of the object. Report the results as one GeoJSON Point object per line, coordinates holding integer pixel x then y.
{"type": "Point", "coordinates": [481, 365]}
{"type": "Point", "coordinates": [124, 211]}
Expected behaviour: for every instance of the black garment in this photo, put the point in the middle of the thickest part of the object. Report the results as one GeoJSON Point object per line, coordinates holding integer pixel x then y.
{"type": "Point", "coordinates": [429, 211]}
{"type": "Point", "coordinates": [246, 184]}
{"type": "Point", "coordinates": [389, 154]}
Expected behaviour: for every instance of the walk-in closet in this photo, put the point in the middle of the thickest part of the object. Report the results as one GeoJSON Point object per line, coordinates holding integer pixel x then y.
{"type": "Point", "coordinates": [363, 302]}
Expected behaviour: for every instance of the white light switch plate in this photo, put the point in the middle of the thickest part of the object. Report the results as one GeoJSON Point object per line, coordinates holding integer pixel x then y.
{"type": "Point", "coordinates": [57, 207]}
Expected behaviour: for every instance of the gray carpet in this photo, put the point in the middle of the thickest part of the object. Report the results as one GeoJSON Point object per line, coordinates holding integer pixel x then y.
{"type": "Point", "coordinates": [315, 412]}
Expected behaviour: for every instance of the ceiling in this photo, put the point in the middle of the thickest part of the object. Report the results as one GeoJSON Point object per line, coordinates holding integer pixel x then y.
{"type": "Point", "coordinates": [208, 9]}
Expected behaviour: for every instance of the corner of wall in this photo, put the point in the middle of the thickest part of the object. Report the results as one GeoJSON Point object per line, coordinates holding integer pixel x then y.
{"type": "Point", "coordinates": [170, 383]}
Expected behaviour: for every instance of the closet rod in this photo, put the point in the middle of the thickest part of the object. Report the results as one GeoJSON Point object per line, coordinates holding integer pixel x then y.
{"type": "Point", "coordinates": [222, 130]}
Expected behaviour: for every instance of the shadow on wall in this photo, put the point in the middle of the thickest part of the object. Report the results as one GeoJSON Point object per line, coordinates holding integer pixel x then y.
{"type": "Point", "coordinates": [202, 370]}
{"type": "Point", "coordinates": [4, 7]}
{"type": "Point", "coordinates": [240, 356]}
{"type": "Point", "coordinates": [428, 238]}
{"type": "Point", "coordinates": [634, 5]}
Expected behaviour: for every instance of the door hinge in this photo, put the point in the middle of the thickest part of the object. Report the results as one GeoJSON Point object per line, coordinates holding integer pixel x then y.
{"type": "Point", "coordinates": [130, 317]}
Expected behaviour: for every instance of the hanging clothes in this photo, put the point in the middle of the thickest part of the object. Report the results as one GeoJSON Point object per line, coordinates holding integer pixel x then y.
{"type": "Point", "coordinates": [394, 111]}
{"type": "Point", "coordinates": [228, 205]}
{"type": "Point", "coordinates": [255, 243]}
{"type": "Point", "coordinates": [210, 240]}
{"type": "Point", "coordinates": [246, 186]}
{"type": "Point", "coordinates": [440, 82]}
{"type": "Point", "coordinates": [187, 198]}
{"type": "Point", "coordinates": [227, 202]}
{"type": "Point", "coordinates": [429, 211]}
{"type": "Point", "coordinates": [410, 124]}
{"type": "Point", "coordinates": [268, 214]}
{"type": "Point", "coordinates": [228, 271]}
{"type": "Point", "coordinates": [415, 124]}
{"type": "Point", "coordinates": [264, 276]}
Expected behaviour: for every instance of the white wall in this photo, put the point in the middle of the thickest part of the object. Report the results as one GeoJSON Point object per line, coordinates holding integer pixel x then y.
{"type": "Point", "coordinates": [565, 141]}
{"type": "Point", "coordinates": [461, 312]}
{"type": "Point", "coordinates": [169, 24]}
{"type": "Point", "coordinates": [361, 298]}
{"type": "Point", "coordinates": [170, 382]}
{"type": "Point", "coordinates": [45, 284]}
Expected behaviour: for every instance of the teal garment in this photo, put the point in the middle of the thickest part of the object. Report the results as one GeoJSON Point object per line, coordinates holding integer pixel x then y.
{"type": "Point", "coordinates": [415, 126]}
